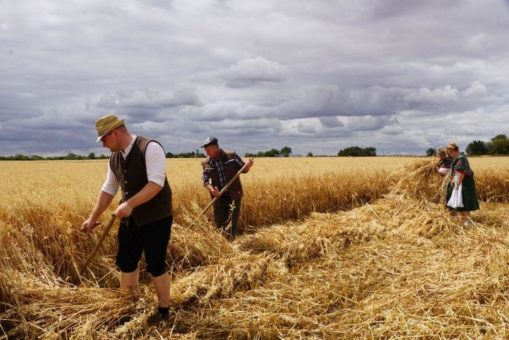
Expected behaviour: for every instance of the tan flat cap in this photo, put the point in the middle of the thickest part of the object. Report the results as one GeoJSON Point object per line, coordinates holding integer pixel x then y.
{"type": "Point", "coordinates": [106, 124]}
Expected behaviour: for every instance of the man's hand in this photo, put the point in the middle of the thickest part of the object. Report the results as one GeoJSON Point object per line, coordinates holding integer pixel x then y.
{"type": "Point", "coordinates": [249, 164]}
{"type": "Point", "coordinates": [123, 210]}
{"type": "Point", "coordinates": [214, 191]}
{"type": "Point", "coordinates": [89, 225]}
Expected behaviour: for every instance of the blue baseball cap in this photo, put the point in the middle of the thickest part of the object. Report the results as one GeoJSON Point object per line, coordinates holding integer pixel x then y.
{"type": "Point", "coordinates": [209, 141]}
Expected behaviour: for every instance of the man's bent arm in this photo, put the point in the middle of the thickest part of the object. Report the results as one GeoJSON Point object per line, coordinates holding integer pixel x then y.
{"type": "Point", "coordinates": [148, 192]}
{"type": "Point", "coordinates": [103, 201]}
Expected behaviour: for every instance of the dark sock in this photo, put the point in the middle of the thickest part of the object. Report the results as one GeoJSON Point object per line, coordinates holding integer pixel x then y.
{"type": "Point", "coordinates": [164, 310]}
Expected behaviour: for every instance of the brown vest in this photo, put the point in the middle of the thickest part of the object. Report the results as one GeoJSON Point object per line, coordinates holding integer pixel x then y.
{"type": "Point", "coordinates": [132, 176]}
{"type": "Point", "coordinates": [230, 170]}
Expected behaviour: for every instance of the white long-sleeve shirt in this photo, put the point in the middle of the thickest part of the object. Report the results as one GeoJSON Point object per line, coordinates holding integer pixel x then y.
{"type": "Point", "coordinates": [155, 161]}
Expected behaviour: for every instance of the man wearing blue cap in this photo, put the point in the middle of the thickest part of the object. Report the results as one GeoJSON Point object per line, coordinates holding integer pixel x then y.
{"type": "Point", "coordinates": [219, 168]}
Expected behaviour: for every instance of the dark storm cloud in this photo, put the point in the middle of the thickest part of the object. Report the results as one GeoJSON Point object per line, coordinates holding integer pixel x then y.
{"type": "Point", "coordinates": [334, 101]}
{"type": "Point", "coordinates": [147, 104]}
{"type": "Point", "coordinates": [397, 8]}
{"type": "Point", "coordinates": [318, 76]}
{"type": "Point", "coordinates": [331, 122]}
{"type": "Point", "coordinates": [370, 123]}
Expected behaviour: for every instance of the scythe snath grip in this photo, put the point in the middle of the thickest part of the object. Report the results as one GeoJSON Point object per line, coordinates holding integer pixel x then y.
{"type": "Point", "coordinates": [221, 192]}
{"type": "Point", "coordinates": [99, 243]}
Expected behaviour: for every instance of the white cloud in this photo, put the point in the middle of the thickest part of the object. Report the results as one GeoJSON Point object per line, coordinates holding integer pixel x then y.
{"type": "Point", "coordinates": [434, 96]}
{"type": "Point", "coordinates": [477, 89]}
{"type": "Point", "coordinates": [254, 70]}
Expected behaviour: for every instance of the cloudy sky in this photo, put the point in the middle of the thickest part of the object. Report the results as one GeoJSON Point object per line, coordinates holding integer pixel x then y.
{"type": "Point", "coordinates": [318, 76]}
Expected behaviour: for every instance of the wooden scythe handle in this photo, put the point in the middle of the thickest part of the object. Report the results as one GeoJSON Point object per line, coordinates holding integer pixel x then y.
{"type": "Point", "coordinates": [221, 192]}
{"type": "Point", "coordinates": [99, 243]}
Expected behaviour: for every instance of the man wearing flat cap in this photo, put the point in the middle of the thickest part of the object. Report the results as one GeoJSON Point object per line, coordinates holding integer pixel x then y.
{"type": "Point", "coordinates": [219, 168]}
{"type": "Point", "coordinates": [138, 166]}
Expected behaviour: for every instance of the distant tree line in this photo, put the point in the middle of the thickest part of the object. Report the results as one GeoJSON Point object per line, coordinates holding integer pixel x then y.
{"type": "Point", "coordinates": [357, 151]}
{"type": "Point", "coordinates": [498, 145]}
{"type": "Point", "coordinates": [192, 154]}
{"type": "Point", "coordinates": [69, 156]}
{"type": "Point", "coordinates": [73, 156]}
{"type": "Point", "coordinates": [431, 152]}
{"type": "Point", "coordinates": [284, 152]}
{"type": "Point", "coordinates": [354, 151]}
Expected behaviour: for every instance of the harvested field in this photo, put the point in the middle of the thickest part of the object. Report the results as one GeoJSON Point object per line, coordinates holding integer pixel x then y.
{"type": "Point", "coordinates": [375, 255]}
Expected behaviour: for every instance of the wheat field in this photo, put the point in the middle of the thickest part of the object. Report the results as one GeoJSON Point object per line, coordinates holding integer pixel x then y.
{"type": "Point", "coordinates": [331, 248]}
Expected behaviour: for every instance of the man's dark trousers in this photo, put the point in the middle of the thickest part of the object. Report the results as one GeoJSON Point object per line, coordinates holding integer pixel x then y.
{"type": "Point", "coordinates": [223, 213]}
